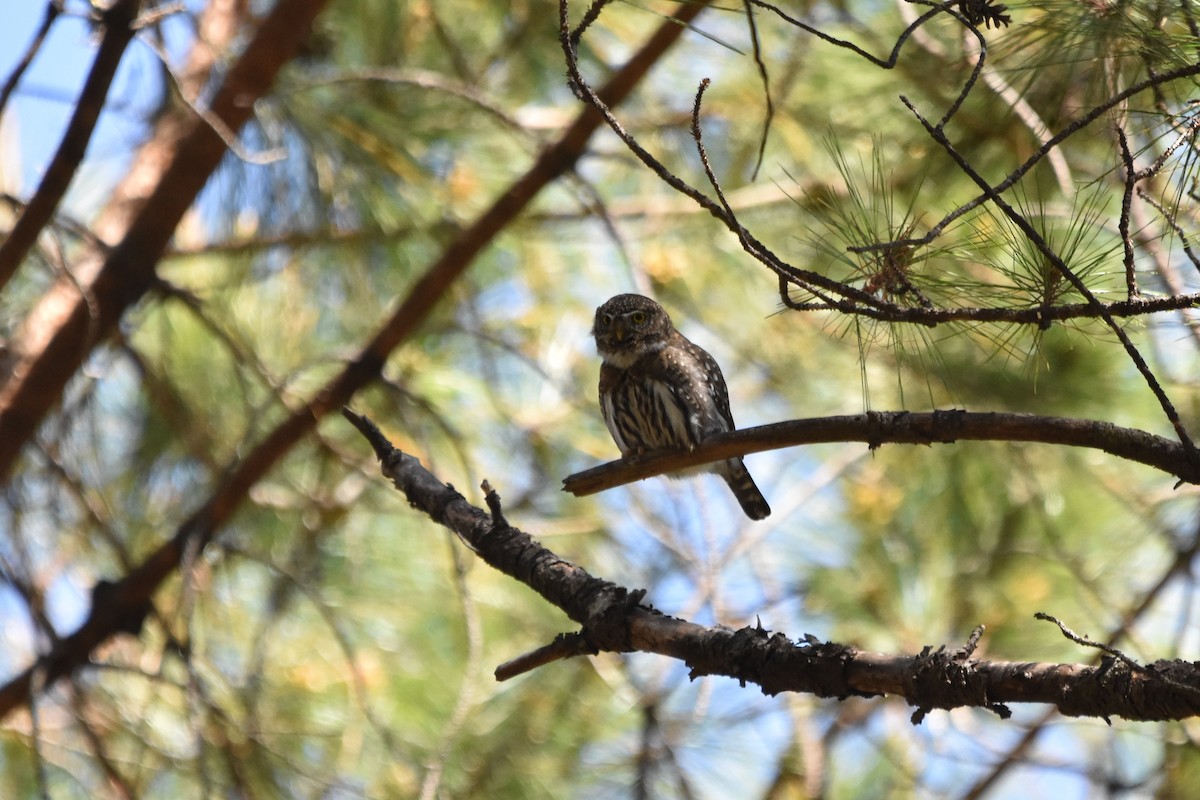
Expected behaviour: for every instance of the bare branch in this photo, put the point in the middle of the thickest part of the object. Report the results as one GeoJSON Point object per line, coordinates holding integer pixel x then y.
{"type": "Point", "coordinates": [887, 63]}
{"type": "Point", "coordinates": [1085, 641]}
{"type": "Point", "coordinates": [876, 428]}
{"type": "Point", "coordinates": [1170, 218]}
{"type": "Point", "coordinates": [1131, 178]}
{"type": "Point", "coordinates": [589, 17]}
{"type": "Point", "coordinates": [976, 71]}
{"type": "Point", "coordinates": [565, 645]}
{"type": "Point", "coordinates": [764, 76]}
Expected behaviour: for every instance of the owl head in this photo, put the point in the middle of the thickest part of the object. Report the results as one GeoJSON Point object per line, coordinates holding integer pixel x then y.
{"type": "Point", "coordinates": [628, 326]}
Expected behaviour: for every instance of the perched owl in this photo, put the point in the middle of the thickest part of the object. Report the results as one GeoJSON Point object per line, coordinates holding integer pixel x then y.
{"type": "Point", "coordinates": [659, 390]}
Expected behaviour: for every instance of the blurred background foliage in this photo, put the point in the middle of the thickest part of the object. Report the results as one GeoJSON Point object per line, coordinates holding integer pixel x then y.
{"type": "Point", "coordinates": [333, 643]}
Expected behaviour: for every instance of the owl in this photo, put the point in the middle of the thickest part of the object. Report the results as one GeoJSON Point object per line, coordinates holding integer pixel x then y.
{"type": "Point", "coordinates": [659, 390]}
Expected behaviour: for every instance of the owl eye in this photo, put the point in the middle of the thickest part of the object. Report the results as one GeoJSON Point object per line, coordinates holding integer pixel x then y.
{"type": "Point", "coordinates": [606, 319]}
{"type": "Point", "coordinates": [638, 317]}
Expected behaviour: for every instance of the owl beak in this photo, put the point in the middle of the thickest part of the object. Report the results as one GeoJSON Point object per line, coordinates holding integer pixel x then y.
{"type": "Point", "coordinates": [620, 330]}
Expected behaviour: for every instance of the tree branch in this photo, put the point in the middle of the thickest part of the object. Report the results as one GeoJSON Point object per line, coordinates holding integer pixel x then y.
{"type": "Point", "coordinates": [613, 619]}
{"type": "Point", "coordinates": [900, 427]}
{"type": "Point", "coordinates": [118, 20]}
{"type": "Point", "coordinates": [844, 297]}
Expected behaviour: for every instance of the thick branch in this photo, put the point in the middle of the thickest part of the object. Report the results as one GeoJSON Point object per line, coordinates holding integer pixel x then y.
{"type": "Point", "coordinates": [614, 620]}
{"type": "Point", "coordinates": [900, 427]}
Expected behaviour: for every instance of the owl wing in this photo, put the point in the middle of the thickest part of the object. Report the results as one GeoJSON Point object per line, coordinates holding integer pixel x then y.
{"type": "Point", "coordinates": [695, 380]}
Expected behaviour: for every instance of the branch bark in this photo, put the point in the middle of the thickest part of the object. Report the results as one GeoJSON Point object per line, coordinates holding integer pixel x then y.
{"type": "Point", "coordinates": [900, 427]}
{"type": "Point", "coordinates": [613, 619]}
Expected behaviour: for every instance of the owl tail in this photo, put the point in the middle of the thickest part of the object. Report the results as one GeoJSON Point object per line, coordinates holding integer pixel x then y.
{"type": "Point", "coordinates": [744, 489]}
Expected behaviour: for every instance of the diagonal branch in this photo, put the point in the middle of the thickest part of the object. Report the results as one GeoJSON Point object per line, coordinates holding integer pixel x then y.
{"type": "Point", "coordinates": [118, 21]}
{"type": "Point", "coordinates": [613, 619]}
{"type": "Point", "coordinates": [900, 427]}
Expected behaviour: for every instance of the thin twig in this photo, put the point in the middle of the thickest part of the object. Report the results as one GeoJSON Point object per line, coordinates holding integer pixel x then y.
{"type": "Point", "coordinates": [228, 135]}
{"type": "Point", "coordinates": [764, 76]}
{"type": "Point", "coordinates": [1086, 642]}
{"type": "Point", "coordinates": [53, 9]}
{"type": "Point", "coordinates": [1131, 178]}
{"type": "Point", "coordinates": [887, 63]}
{"type": "Point", "coordinates": [565, 645]}
{"type": "Point", "coordinates": [1173, 223]}
{"type": "Point", "coordinates": [1044, 248]}
{"type": "Point", "coordinates": [976, 71]}
{"type": "Point", "coordinates": [589, 17]}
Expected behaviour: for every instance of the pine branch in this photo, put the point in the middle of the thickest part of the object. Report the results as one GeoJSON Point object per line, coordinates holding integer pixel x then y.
{"type": "Point", "coordinates": [900, 427]}
{"type": "Point", "coordinates": [614, 619]}
{"type": "Point", "coordinates": [845, 297]}
{"type": "Point", "coordinates": [1036, 239]}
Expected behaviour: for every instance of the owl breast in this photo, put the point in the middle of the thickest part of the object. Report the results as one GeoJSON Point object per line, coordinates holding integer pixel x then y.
{"type": "Point", "coordinates": [643, 414]}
